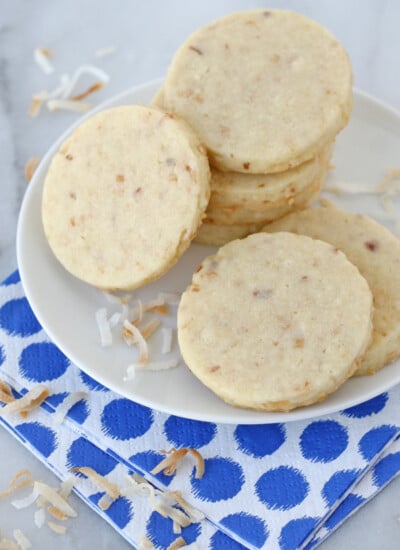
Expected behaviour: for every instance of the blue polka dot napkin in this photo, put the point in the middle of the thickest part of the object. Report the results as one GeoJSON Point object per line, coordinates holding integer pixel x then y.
{"type": "Point", "coordinates": [279, 486]}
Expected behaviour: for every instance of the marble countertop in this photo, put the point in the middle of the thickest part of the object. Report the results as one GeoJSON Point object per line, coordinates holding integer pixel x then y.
{"type": "Point", "coordinates": [145, 35]}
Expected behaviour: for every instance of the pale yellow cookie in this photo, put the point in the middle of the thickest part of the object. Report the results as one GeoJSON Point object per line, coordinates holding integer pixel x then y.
{"type": "Point", "coordinates": [218, 235]}
{"type": "Point", "coordinates": [275, 321]}
{"type": "Point", "coordinates": [265, 90]}
{"type": "Point", "coordinates": [376, 253]}
{"type": "Point", "coordinates": [261, 191]}
{"type": "Point", "coordinates": [239, 215]}
{"type": "Point", "coordinates": [124, 196]}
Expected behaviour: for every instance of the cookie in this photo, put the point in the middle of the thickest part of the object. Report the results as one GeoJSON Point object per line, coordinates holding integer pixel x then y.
{"type": "Point", "coordinates": [272, 211]}
{"type": "Point", "coordinates": [265, 90]}
{"type": "Point", "coordinates": [376, 253]}
{"type": "Point", "coordinates": [124, 196]}
{"type": "Point", "coordinates": [260, 191]}
{"type": "Point", "coordinates": [218, 235]}
{"type": "Point", "coordinates": [275, 321]}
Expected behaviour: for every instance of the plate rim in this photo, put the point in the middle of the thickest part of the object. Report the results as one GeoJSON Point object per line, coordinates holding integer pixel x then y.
{"type": "Point", "coordinates": [260, 417]}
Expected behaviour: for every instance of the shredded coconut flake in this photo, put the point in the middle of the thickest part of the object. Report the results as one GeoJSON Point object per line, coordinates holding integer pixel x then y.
{"type": "Point", "coordinates": [115, 319]}
{"type": "Point", "coordinates": [105, 502]}
{"type": "Point", "coordinates": [34, 398]}
{"type": "Point", "coordinates": [66, 487]}
{"type": "Point", "coordinates": [351, 189]}
{"type": "Point", "coordinates": [68, 105]}
{"type": "Point", "coordinates": [102, 482]}
{"type": "Point", "coordinates": [93, 88]}
{"type": "Point", "coordinates": [177, 543]}
{"type": "Point", "coordinates": [57, 528]}
{"type": "Point", "coordinates": [30, 167]}
{"type": "Point", "coordinates": [167, 334]}
{"type": "Point", "coordinates": [54, 498]}
{"type": "Point", "coordinates": [150, 328]}
{"type": "Point", "coordinates": [169, 464]}
{"type": "Point", "coordinates": [154, 365]}
{"type": "Point", "coordinates": [23, 542]}
{"type": "Point", "coordinates": [71, 400]}
{"type": "Point", "coordinates": [21, 479]}
{"type": "Point", "coordinates": [6, 395]}
{"type": "Point", "coordinates": [25, 502]}
{"type": "Point", "coordinates": [90, 70]}
{"type": "Point", "coordinates": [41, 57]}
{"type": "Point", "coordinates": [40, 518]}
{"type": "Point", "coordinates": [104, 327]}
{"type": "Point", "coordinates": [145, 543]}
{"type": "Point", "coordinates": [133, 336]}
{"type": "Point", "coordinates": [7, 544]}
{"type": "Point", "coordinates": [56, 513]}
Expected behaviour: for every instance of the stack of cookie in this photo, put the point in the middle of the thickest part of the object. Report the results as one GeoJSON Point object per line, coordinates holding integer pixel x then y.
{"type": "Point", "coordinates": [266, 92]}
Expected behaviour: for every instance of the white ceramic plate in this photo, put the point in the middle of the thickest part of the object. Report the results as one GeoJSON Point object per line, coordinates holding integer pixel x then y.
{"type": "Point", "coordinates": [66, 307]}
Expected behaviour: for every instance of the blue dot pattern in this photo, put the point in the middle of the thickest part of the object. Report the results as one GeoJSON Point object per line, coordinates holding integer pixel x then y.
{"type": "Point", "coordinates": [374, 440]}
{"type": "Point", "coordinates": [42, 438]}
{"type": "Point", "coordinates": [12, 279]}
{"type": "Point", "coordinates": [223, 481]}
{"type": "Point", "coordinates": [182, 432]}
{"type": "Point", "coordinates": [122, 419]}
{"type": "Point", "coordinates": [265, 486]}
{"type": "Point", "coordinates": [282, 488]}
{"type": "Point", "coordinates": [160, 531]}
{"type": "Point", "coordinates": [260, 440]}
{"type": "Point", "coordinates": [323, 441]}
{"type": "Point", "coordinates": [338, 484]}
{"type": "Point", "coordinates": [42, 362]}
{"type": "Point", "coordinates": [83, 453]}
{"type": "Point", "coordinates": [17, 318]}
{"type": "Point", "coordinates": [295, 532]}
{"type": "Point", "coordinates": [251, 528]}
{"type": "Point", "coordinates": [368, 408]}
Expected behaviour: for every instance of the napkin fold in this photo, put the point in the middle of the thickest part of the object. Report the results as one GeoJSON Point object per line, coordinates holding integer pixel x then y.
{"type": "Point", "coordinates": [273, 486]}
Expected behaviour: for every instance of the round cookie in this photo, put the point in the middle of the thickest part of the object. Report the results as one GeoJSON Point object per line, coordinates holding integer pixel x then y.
{"type": "Point", "coordinates": [260, 191]}
{"type": "Point", "coordinates": [238, 215]}
{"type": "Point", "coordinates": [218, 235]}
{"type": "Point", "coordinates": [124, 196]}
{"type": "Point", "coordinates": [267, 322]}
{"type": "Point", "coordinates": [263, 89]}
{"type": "Point", "coordinates": [376, 253]}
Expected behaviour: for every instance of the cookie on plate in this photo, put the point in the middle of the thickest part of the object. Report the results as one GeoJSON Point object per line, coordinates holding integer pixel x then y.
{"type": "Point", "coordinates": [224, 215]}
{"type": "Point", "coordinates": [376, 253]}
{"type": "Point", "coordinates": [275, 321]}
{"type": "Point", "coordinates": [124, 196]}
{"type": "Point", "coordinates": [265, 90]}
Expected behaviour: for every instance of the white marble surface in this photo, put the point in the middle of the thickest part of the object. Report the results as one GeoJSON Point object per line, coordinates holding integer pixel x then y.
{"type": "Point", "coordinates": [146, 35]}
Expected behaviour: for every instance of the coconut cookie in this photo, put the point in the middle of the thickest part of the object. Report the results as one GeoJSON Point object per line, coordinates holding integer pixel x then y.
{"type": "Point", "coordinates": [275, 322]}
{"type": "Point", "coordinates": [265, 90]}
{"type": "Point", "coordinates": [270, 212]}
{"type": "Point", "coordinates": [124, 196]}
{"type": "Point", "coordinates": [260, 191]}
{"type": "Point", "coordinates": [218, 235]}
{"type": "Point", "coordinates": [376, 253]}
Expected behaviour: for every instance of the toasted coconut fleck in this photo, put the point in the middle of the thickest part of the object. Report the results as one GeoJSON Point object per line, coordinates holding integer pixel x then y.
{"type": "Point", "coordinates": [93, 88]}
{"type": "Point", "coordinates": [6, 395]}
{"type": "Point", "coordinates": [176, 528]}
{"type": "Point", "coordinates": [195, 515]}
{"type": "Point", "coordinates": [41, 57]}
{"type": "Point", "coordinates": [133, 337]}
{"type": "Point", "coordinates": [30, 167]}
{"type": "Point", "coordinates": [66, 487]}
{"type": "Point", "coordinates": [21, 479]}
{"type": "Point", "coordinates": [31, 400]}
{"type": "Point", "coordinates": [105, 502]}
{"type": "Point", "coordinates": [70, 401]}
{"type": "Point", "coordinates": [111, 489]}
{"type": "Point", "coordinates": [56, 513]}
{"type": "Point", "coordinates": [177, 543]}
{"type": "Point", "coordinates": [57, 528]}
{"type": "Point", "coordinates": [150, 328]}
{"type": "Point", "coordinates": [35, 106]}
{"type": "Point", "coordinates": [145, 543]}
{"type": "Point", "coordinates": [22, 540]}
{"type": "Point", "coordinates": [40, 518]}
{"type": "Point", "coordinates": [153, 365]}
{"type": "Point", "coordinates": [169, 464]}
{"type": "Point", "coordinates": [68, 105]}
